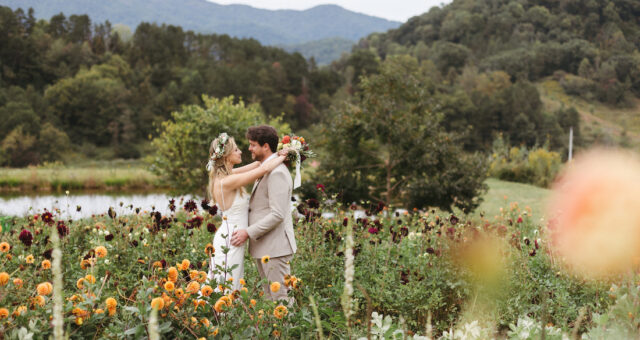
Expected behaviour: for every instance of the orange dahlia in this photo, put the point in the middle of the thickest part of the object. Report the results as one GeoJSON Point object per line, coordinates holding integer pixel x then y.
{"type": "Point", "coordinates": [101, 251]}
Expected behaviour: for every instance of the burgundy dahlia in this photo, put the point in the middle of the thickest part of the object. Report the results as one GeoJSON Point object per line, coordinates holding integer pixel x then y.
{"type": "Point", "coordinates": [211, 228]}
{"type": "Point", "coordinates": [172, 204]}
{"type": "Point", "coordinates": [26, 237]}
{"type": "Point", "coordinates": [195, 222]}
{"type": "Point", "coordinates": [47, 217]}
{"type": "Point", "coordinates": [63, 230]}
{"type": "Point", "coordinates": [190, 206]}
{"type": "Point", "coordinates": [108, 238]}
{"type": "Point", "coordinates": [205, 204]}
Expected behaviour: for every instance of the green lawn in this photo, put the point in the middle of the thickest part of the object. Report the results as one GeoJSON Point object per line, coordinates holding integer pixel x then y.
{"type": "Point", "coordinates": [524, 194]}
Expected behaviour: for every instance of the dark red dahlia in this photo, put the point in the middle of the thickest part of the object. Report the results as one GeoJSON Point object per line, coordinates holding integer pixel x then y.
{"type": "Point", "coordinates": [172, 204]}
{"type": "Point", "coordinates": [190, 206]}
{"type": "Point", "coordinates": [373, 230]}
{"type": "Point", "coordinates": [63, 230]}
{"type": "Point", "coordinates": [108, 238]}
{"type": "Point", "coordinates": [211, 228]}
{"type": "Point", "coordinates": [205, 204]}
{"type": "Point", "coordinates": [47, 217]}
{"type": "Point", "coordinates": [320, 187]}
{"type": "Point", "coordinates": [26, 237]}
{"type": "Point", "coordinates": [195, 222]}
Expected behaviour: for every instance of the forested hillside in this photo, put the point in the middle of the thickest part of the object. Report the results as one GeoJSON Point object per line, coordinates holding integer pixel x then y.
{"type": "Point", "coordinates": [69, 84]}
{"type": "Point", "coordinates": [527, 71]}
{"type": "Point", "coordinates": [489, 54]}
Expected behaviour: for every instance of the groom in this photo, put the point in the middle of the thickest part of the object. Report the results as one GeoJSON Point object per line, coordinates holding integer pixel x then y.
{"type": "Point", "coordinates": [270, 224]}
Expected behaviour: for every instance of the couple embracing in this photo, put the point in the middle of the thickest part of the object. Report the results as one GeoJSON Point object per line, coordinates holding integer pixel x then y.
{"type": "Point", "coordinates": [262, 217]}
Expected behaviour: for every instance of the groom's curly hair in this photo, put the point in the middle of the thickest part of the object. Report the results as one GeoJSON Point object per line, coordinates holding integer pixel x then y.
{"type": "Point", "coordinates": [264, 134]}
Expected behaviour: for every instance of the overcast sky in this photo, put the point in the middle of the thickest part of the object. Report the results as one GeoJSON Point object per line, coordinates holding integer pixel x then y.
{"type": "Point", "coordinates": [398, 10]}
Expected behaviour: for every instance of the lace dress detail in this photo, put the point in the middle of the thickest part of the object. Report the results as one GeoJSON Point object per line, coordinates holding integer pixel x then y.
{"type": "Point", "coordinates": [237, 218]}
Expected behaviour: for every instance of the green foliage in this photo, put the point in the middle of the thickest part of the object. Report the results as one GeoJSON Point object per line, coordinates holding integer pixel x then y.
{"type": "Point", "coordinates": [107, 88]}
{"type": "Point", "coordinates": [621, 319]}
{"type": "Point", "coordinates": [529, 40]}
{"type": "Point", "coordinates": [537, 166]}
{"type": "Point", "coordinates": [182, 147]}
{"type": "Point", "coordinates": [18, 148]}
{"type": "Point", "coordinates": [93, 98]}
{"type": "Point", "coordinates": [323, 51]}
{"type": "Point", "coordinates": [53, 144]}
{"type": "Point", "coordinates": [389, 145]}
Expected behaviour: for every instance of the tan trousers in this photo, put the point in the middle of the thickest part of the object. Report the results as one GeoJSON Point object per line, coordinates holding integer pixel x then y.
{"type": "Point", "coordinates": [274, 271]}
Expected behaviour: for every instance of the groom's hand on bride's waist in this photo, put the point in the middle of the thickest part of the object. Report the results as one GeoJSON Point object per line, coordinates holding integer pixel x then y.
{"type": "Point", "coordinates": [239, 237]}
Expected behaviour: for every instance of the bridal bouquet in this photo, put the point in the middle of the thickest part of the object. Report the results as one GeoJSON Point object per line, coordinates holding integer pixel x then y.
{"type": "Point", "coordinates": [298, 152]}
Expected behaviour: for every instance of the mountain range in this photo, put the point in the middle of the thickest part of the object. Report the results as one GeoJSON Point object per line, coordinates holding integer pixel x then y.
{"type": "Point", "coordinates": [270, 27]}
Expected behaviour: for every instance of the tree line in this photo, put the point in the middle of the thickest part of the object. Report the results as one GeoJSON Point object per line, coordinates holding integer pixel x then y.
{"type": "Point", "coordinates": [68, 84]}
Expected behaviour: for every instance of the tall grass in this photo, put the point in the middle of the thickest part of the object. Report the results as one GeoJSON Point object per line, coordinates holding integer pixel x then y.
{"type": "Point", "coordinates": [58, 179]}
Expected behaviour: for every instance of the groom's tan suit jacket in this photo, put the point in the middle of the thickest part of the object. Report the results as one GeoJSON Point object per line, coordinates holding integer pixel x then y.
{"type": "Point", "coordinates": [270, 223]}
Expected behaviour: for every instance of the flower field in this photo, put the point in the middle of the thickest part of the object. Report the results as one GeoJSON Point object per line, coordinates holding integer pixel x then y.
{"type": "Point", "coordinates": [423, 274]}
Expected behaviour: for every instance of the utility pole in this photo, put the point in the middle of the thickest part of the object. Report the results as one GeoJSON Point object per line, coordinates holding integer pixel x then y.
{"type": "Point", "coordinates": [570, 143]}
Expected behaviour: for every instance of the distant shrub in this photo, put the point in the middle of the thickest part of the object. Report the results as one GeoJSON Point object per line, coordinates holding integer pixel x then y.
{"type": "Point", "coordinates": [578, 86]}
{"type": "Point", "coordinates": [537, 166]}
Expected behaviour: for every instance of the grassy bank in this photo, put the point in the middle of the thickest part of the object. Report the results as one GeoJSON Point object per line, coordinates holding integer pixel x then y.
{"type": "Point", "coordinates": [84, 178]}
{"type": "Point", "coordinates": [502, 193]}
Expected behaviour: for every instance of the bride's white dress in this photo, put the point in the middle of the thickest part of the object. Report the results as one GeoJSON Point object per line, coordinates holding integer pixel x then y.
{"type": "Point", "coordinates": [237, 218]}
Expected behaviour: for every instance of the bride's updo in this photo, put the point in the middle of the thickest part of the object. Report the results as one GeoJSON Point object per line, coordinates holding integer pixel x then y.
{"type": "Point", "coordinates": [218, 166]}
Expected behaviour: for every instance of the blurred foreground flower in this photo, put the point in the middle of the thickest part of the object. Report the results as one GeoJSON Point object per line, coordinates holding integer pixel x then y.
{"type": "Point", "coordinates": [595, 213]}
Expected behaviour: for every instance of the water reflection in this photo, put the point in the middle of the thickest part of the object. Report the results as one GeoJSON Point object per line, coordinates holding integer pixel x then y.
{"type": "Point", "coordinates": [89, 203]}
{"type": "Point", "coordinates": [98, 203]}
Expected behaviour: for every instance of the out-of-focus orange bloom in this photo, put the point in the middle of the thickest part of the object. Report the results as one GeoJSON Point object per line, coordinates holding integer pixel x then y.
{"type": "Point", "coordinates": [595, 213]}
{"type": "Point", "coordinates": [280, 312]}
{"type": "Point", "coordinates": [207, 290]}
{"type": "Point", "coordinates": [157, 303]}
{"type": "Point", "coordinates": [193, 287]}
{"type": "Point", "coordinates": [172, 274]}
{"type": "Point", "coordinates": [4, 278]}
{"type": "Point", "coordinates": [44, 288]}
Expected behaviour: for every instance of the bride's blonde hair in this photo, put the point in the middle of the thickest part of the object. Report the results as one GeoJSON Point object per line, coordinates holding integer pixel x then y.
{"type": "Point", "coordinates": [220, 168]}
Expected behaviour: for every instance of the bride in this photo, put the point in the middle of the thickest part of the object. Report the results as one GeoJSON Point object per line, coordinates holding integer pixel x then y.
{"type": "Point", "coordinates": [226, 189]}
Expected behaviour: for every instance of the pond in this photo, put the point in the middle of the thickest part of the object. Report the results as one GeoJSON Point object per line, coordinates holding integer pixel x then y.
{"type": "Point", "coordinates": [85, 204]}
{"type": "Point", "coordinates": [81, 205]}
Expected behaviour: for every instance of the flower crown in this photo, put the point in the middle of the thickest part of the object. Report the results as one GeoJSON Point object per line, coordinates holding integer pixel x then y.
{"type": "Point", "coordinates": [219, 151]}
